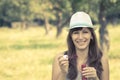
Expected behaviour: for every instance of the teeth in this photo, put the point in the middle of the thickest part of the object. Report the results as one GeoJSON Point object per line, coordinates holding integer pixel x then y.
{"type": "Point", "coordinates": [80, 42]}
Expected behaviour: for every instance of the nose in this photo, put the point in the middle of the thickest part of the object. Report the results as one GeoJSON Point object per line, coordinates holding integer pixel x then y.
{"type": "Point", "coordinates": [80, 35]}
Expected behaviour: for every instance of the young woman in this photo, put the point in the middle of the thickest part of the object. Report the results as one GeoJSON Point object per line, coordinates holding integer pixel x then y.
{"type": "Point", "coordinates": [83, 60]}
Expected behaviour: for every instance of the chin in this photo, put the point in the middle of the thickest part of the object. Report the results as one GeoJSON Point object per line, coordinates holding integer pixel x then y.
{"type": "Point", "coordinates": [82, 47]}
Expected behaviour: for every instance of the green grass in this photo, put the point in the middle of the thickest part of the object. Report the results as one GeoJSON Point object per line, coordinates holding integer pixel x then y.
{"type": "Point", "coordinates": [28, 54]}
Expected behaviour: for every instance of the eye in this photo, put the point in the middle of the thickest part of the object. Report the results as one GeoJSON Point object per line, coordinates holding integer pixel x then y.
{"type": "Point", "coordinates": [85, 31]}
{"type": "Point", "coordinates": [76, 32]}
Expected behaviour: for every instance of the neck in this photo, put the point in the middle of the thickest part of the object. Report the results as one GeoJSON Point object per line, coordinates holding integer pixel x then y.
{"type": "Point", "coordinates": [82, 54]}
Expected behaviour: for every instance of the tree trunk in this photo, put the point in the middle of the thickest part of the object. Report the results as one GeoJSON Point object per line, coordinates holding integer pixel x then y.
{"type": "Point", "coordinates": [59, 25]}
{"type": "Point", "coordinates": [24, 25]}
{"type": "Point", "coordinates": [59, 31]}
{"type": "Point", "coordinates": [47, 26]}
{"type": "Point", "coordinates": [104, 35]}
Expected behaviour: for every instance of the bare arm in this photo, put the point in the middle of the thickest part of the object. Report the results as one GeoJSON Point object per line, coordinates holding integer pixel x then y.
{"type": "Point", "coordinates": [105, 64]}
{"type": "Point", "coordinates": [57, 73]}
{"type": "Point", "coordinates": [90, 72]}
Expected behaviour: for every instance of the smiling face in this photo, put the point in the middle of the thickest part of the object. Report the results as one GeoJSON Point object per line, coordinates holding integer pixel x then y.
{"type": "Point", "coordinates": [81, 38]}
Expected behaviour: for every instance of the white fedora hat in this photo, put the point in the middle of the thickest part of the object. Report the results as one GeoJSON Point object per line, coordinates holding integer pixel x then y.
{"type": "Point", "coordinates": [80, 19]}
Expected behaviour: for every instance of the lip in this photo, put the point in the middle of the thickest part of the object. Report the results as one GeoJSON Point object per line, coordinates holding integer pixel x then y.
{"type": "Point", "coordinates": [80, 42]}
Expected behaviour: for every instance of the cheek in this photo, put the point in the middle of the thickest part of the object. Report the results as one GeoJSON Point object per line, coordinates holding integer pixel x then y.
{"type": "Point", "coordinates": [89, 39]}
{"type": "Point", "coordinates": [73, 40]}
{"type": "Point", "coordinates": [89, 36]}
{"type": "Point", "coordinates": [73, 37]}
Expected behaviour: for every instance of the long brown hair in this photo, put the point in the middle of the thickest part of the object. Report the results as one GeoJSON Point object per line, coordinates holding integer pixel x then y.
{"type": "Point", "coordinates": [94, 55]}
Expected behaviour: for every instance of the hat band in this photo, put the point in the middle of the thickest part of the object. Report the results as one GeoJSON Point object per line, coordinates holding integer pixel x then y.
{"type": "Point", "coordinates": [80, 25]}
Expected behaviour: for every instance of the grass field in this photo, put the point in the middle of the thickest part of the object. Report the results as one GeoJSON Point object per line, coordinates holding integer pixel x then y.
{"type": "Point", "coordinates": [28, 54]}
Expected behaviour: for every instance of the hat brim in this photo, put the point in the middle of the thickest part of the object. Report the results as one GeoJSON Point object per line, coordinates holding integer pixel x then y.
{"type": "Point", "coordinates": [80, 26]}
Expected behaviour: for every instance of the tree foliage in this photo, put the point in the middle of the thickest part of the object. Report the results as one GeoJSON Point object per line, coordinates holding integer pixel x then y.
{"type": "Point", "coordinates": [59, 12]}
{"type": "Point", "coordinates": [16, 10]}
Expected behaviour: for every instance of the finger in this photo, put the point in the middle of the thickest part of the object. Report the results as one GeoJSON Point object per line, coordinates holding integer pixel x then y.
{"type": "Point", "coordinates": [60, 57]}
{"type": "Point", "coordinates": [90, 76]}
{"type": "Point", "coordinates": [63, 62]}
{"type": "Point", "coordinates": [89, 69]}
{"type": "Point", "coordinates": [88, 73]}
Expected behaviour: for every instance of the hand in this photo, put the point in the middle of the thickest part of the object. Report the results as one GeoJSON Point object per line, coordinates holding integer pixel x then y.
{"type": "Point", "coordinates": [89, 72]}
{"type": "Point", "coordinates": [63, 63]}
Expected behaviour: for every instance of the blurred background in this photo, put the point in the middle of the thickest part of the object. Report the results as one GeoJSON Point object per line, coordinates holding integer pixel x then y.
{"type": "Point", "coordinates": [34, 31]}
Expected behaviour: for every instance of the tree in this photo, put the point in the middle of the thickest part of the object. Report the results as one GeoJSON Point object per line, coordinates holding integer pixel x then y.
{"type": "Point", "coordinates": [6, 12]}
{"type": "Point", "coordinates": [42, 9]}
{"type": "Point", "coordinates": [62, 11]}
{"type": "Point", "coordinates": [15, 10]}
{"type": "Point", "coordinates": [106, 7]}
